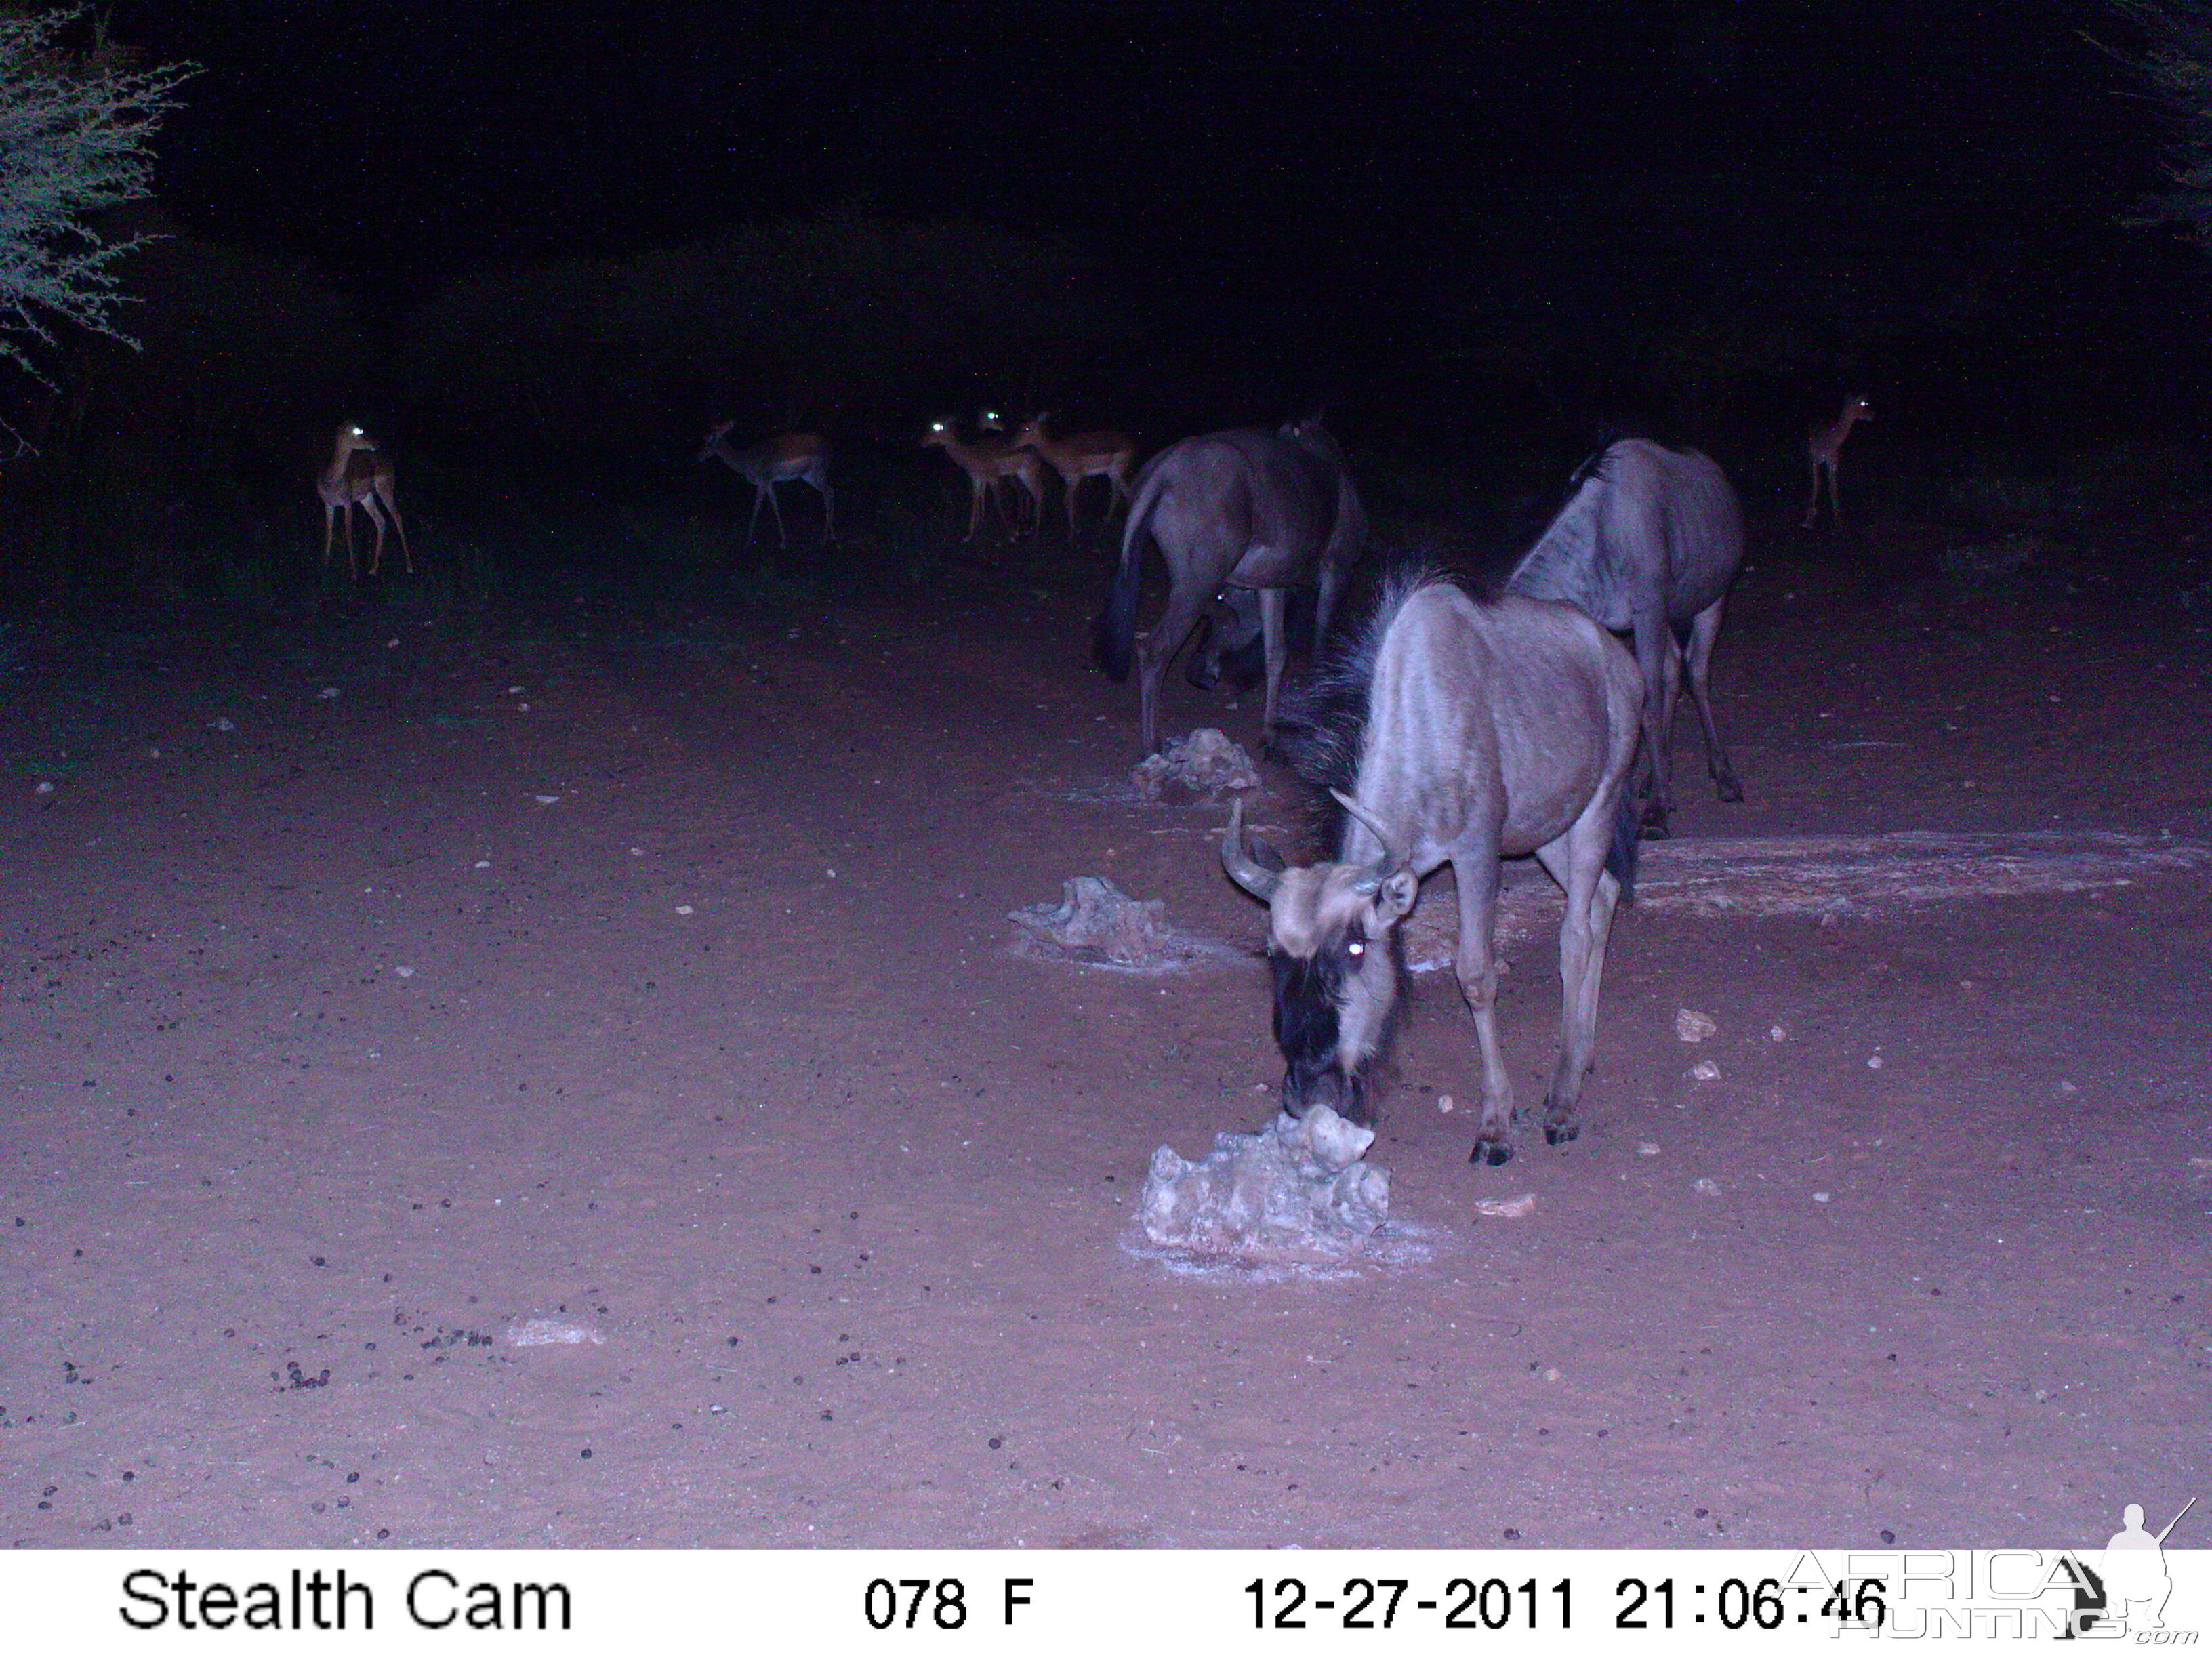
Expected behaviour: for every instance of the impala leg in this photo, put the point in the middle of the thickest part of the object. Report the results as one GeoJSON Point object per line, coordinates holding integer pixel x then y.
{"type": "Point", "coordinates": [1656, 652]}
{"type": "Point", "coordinates": [1703, 632]}
{"type": "Point", "coordinates": [1576, 861]}
{"type": "Point", "coordinates": [329, 524]}
{"type": "Point", "coordinates": [828, 511]}
{"type": "Point", "coordinates": [783, 536]}
{"type": "Point", "coordinates": [753, 523]}
{"type": "Point", "coordinates": [353, 565]}
{"type": "Point", "coordinates": [1075, 481]}
{"type": "Point", "coordinates": [1813, 501]}
{"type": "Point", "coordinates": [375, 516]}
{"type": "Point", "coordinates": [1475, 870]}
{"type": "Point", "coordinates": [392, 505]}
{"type": "Point", "coordinates": [1835, 494]}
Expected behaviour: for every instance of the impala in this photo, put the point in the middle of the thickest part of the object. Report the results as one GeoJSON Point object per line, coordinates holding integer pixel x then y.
{"type": "Point", "coordinates": [1105, 455]}
{"type": "Point", "coordinates": [796, 455]}
{"type": "Point", "coordinates": [1824, 450]}
{"type": "Point", "coordinates": [989, 462]}
{"type": "Point", "coordinates": [360, 476]}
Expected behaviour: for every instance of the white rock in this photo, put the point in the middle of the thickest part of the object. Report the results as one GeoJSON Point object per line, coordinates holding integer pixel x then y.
{"type": "Point", "coordinates": [1444, 1103]}
{"type": "Point", "coordinates": [683, 909]}
{"type": "Point", "coordinates": [222, 723]}
{"type": "Point", "coordinates": [550, 1332]}
{"type": "Point", "coordinates": [46, 787]}
{"type": "Point", "coordinates": [404, 973]}
{"type": "Point", "coordinates": [1506, 1209]}
{"type": "Point", "coordinates": [328, 693]}
{"type": "Point", "coordinates": [1706, 1186]}
{"type": "Point", "coordinates": [546, 800]}
{"type": "Point", "coordinates": [1297, 1191]}
{"type": "Point", "coordinates": [1819, 1198]}
{"type": "Point", "coordinates": [1693, 1027]}
{"type": "Point", "coordinates": [1775, 1034]}
{"type": "Point", "coordinates": [1874, 1062]}
{"type": "Point", "coordinates": [1705, 1071]}
{"type": "Point", "coordinates": [1647, 1149]}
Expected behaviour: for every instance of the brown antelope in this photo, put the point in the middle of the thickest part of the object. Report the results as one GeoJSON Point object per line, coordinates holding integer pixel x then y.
{"type": "Point", "coordinates": [1824, 449]}
{"type": "Point", "coordinates": [1105, 455]}
{"type": "Point", "coordinates": [795, 455]}
{"type": "Point", "coordinates": [989, 462]}
{"type": "Point", "coordinates": [360, 476]}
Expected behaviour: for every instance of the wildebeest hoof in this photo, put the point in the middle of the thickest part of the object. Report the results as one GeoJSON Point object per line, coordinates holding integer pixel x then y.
{"type": "Point", "coordinates": [1731, 790]}
{"type": "Point", "coordinates": [1558, 1134]}
{"type": "Point", "coordinates": [1654, 827]}
{"type": "Point", "coordinates": [1492, 1152]}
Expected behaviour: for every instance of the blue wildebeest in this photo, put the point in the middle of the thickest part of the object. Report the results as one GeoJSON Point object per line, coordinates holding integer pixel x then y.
{"type": "Point", "coordinates": [1467, 733]}
{"type": "Point", "coordinates": [1648, 544]}
{"type": "Point", "coordinates": [1242, 508]}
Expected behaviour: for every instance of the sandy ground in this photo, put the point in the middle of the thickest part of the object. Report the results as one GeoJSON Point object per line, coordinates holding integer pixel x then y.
{"type": "Point", "coordinates": [656, 984]}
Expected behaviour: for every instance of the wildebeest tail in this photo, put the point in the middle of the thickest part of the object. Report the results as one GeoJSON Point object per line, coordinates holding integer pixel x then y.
{"type": "Point", "coordinates": [1620, 857]}
{"type": "Point", "coordinates": [1114, 634]}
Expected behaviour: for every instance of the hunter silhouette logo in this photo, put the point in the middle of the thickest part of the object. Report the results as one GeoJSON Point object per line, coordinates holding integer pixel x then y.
{"type": "Point", "coordinates": [2127, 1590]}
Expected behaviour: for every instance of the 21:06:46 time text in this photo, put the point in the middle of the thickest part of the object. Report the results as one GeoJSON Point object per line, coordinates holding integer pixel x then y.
{"type": "Point", "coordinates": [1496, 1604]}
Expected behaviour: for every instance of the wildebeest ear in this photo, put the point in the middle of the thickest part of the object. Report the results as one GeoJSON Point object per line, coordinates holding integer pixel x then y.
{"type": "Point", "coordinates": [1265, 855]}
{"type": "Point", "coordinates": [1399, 888]}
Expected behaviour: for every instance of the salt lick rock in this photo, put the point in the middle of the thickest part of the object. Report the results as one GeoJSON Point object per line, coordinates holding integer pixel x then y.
{"type": "Point", "coordinates": [1297, 1191]}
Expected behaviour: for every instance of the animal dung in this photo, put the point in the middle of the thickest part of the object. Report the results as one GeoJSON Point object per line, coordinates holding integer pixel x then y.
{"type": "Point", "coordinates": [1692, 1027]}
{"type": "Point", "coordinates": [1096, 922]}
{"type": "Point", "coordinates": [1297, 1191]}
{"type": "Point", "coordinates": [1203, 765]}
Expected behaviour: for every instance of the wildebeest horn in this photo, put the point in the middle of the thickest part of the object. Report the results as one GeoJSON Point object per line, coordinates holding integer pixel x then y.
{"type": "Point", "coordinates": [1390, 860]}
{"type": "Point", "coordinates": [1244, 869]}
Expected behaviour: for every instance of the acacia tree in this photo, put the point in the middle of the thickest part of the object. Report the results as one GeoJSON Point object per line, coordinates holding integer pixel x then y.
{"type": "Point", "coordinates": [2176, 63]}
{"type": "Point", "coordinates": [76, 126]}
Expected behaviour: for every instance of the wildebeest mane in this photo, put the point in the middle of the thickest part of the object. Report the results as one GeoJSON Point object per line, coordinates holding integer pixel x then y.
{"type": "Point", "coordinates": [1323, 725]}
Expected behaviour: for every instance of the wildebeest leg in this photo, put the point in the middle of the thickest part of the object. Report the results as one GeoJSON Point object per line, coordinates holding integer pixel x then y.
{"type": "Point", "coordinates": [1185, 601]}
{"type": "Point", "coordinates": [1655, 649]}
{"type": "Point", "coordinates": [1576, 861]}
{"type": "Point", "coordinates": [1474, 868]}
{"type": "Point", "coordinates": [1330, 583]}
{"type": "Point", "coordinates": [1271, 600]}
{"type": "Point", "coordinates": [1704, 630]}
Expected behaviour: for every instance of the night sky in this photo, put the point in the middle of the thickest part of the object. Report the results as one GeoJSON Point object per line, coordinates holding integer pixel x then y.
{"type": "Point", "coordinates": [1348, 177]}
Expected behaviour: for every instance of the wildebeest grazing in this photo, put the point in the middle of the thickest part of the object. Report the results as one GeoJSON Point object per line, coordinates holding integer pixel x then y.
{"type": "Point", "coordinates": [1648, 544]}
{"type": "Point", "coordinates": [1246, 508]}
{"type": "Point", "coordinates": [1467, 732]}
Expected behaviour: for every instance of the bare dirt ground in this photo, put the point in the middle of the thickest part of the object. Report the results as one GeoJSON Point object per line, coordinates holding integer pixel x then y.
{"type": "Point", "coordinates": [657, 984]}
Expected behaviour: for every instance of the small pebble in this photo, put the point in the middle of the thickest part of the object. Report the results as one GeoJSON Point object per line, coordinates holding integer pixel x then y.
{"type": "Point", "coordinates": [546, 800]}
{"type": "Point", "coordinates": [1693, 1027]}
{"type": "Point", "coordinates": [44, 788]}
{"type": "Point", "coordinates": [1707, 1186]}
{"type": "Point", "coordinates": [1647, 1149]}
{"type": "Point", "coordinates": [683, 909]}
{"type": "Point", "coordinates": [1444, 1103]}
{"type": "Point", "coordinates": [484, 863]}
{"type": "Point", "coordinates": [404, 973]}
{"type": "Point", "coordinates": [1874, 1062]}
{"type": "Point", "coordinates": [328, 693]}
{"type": "Point", "coordinates": [1775, 1034]}
{"type": "Point", "coordinates": [514, 690]}
{"type": "Point", "coordinates": [1551, 1373]}
{"type": "Point", "coordinates": [222, 723]}
{"type": "Point", "coordinates": [1705, 1071]}
{"type": "Point", "coordinates": [1819, 1198]}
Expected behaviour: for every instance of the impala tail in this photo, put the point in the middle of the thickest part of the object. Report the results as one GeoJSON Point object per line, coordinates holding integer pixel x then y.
{"type": "Point", "coordinates": [1114, 636]}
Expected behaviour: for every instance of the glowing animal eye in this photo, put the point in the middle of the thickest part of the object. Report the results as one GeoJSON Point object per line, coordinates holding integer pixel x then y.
{"type": "Point", "coordinates": [1357, 948]}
